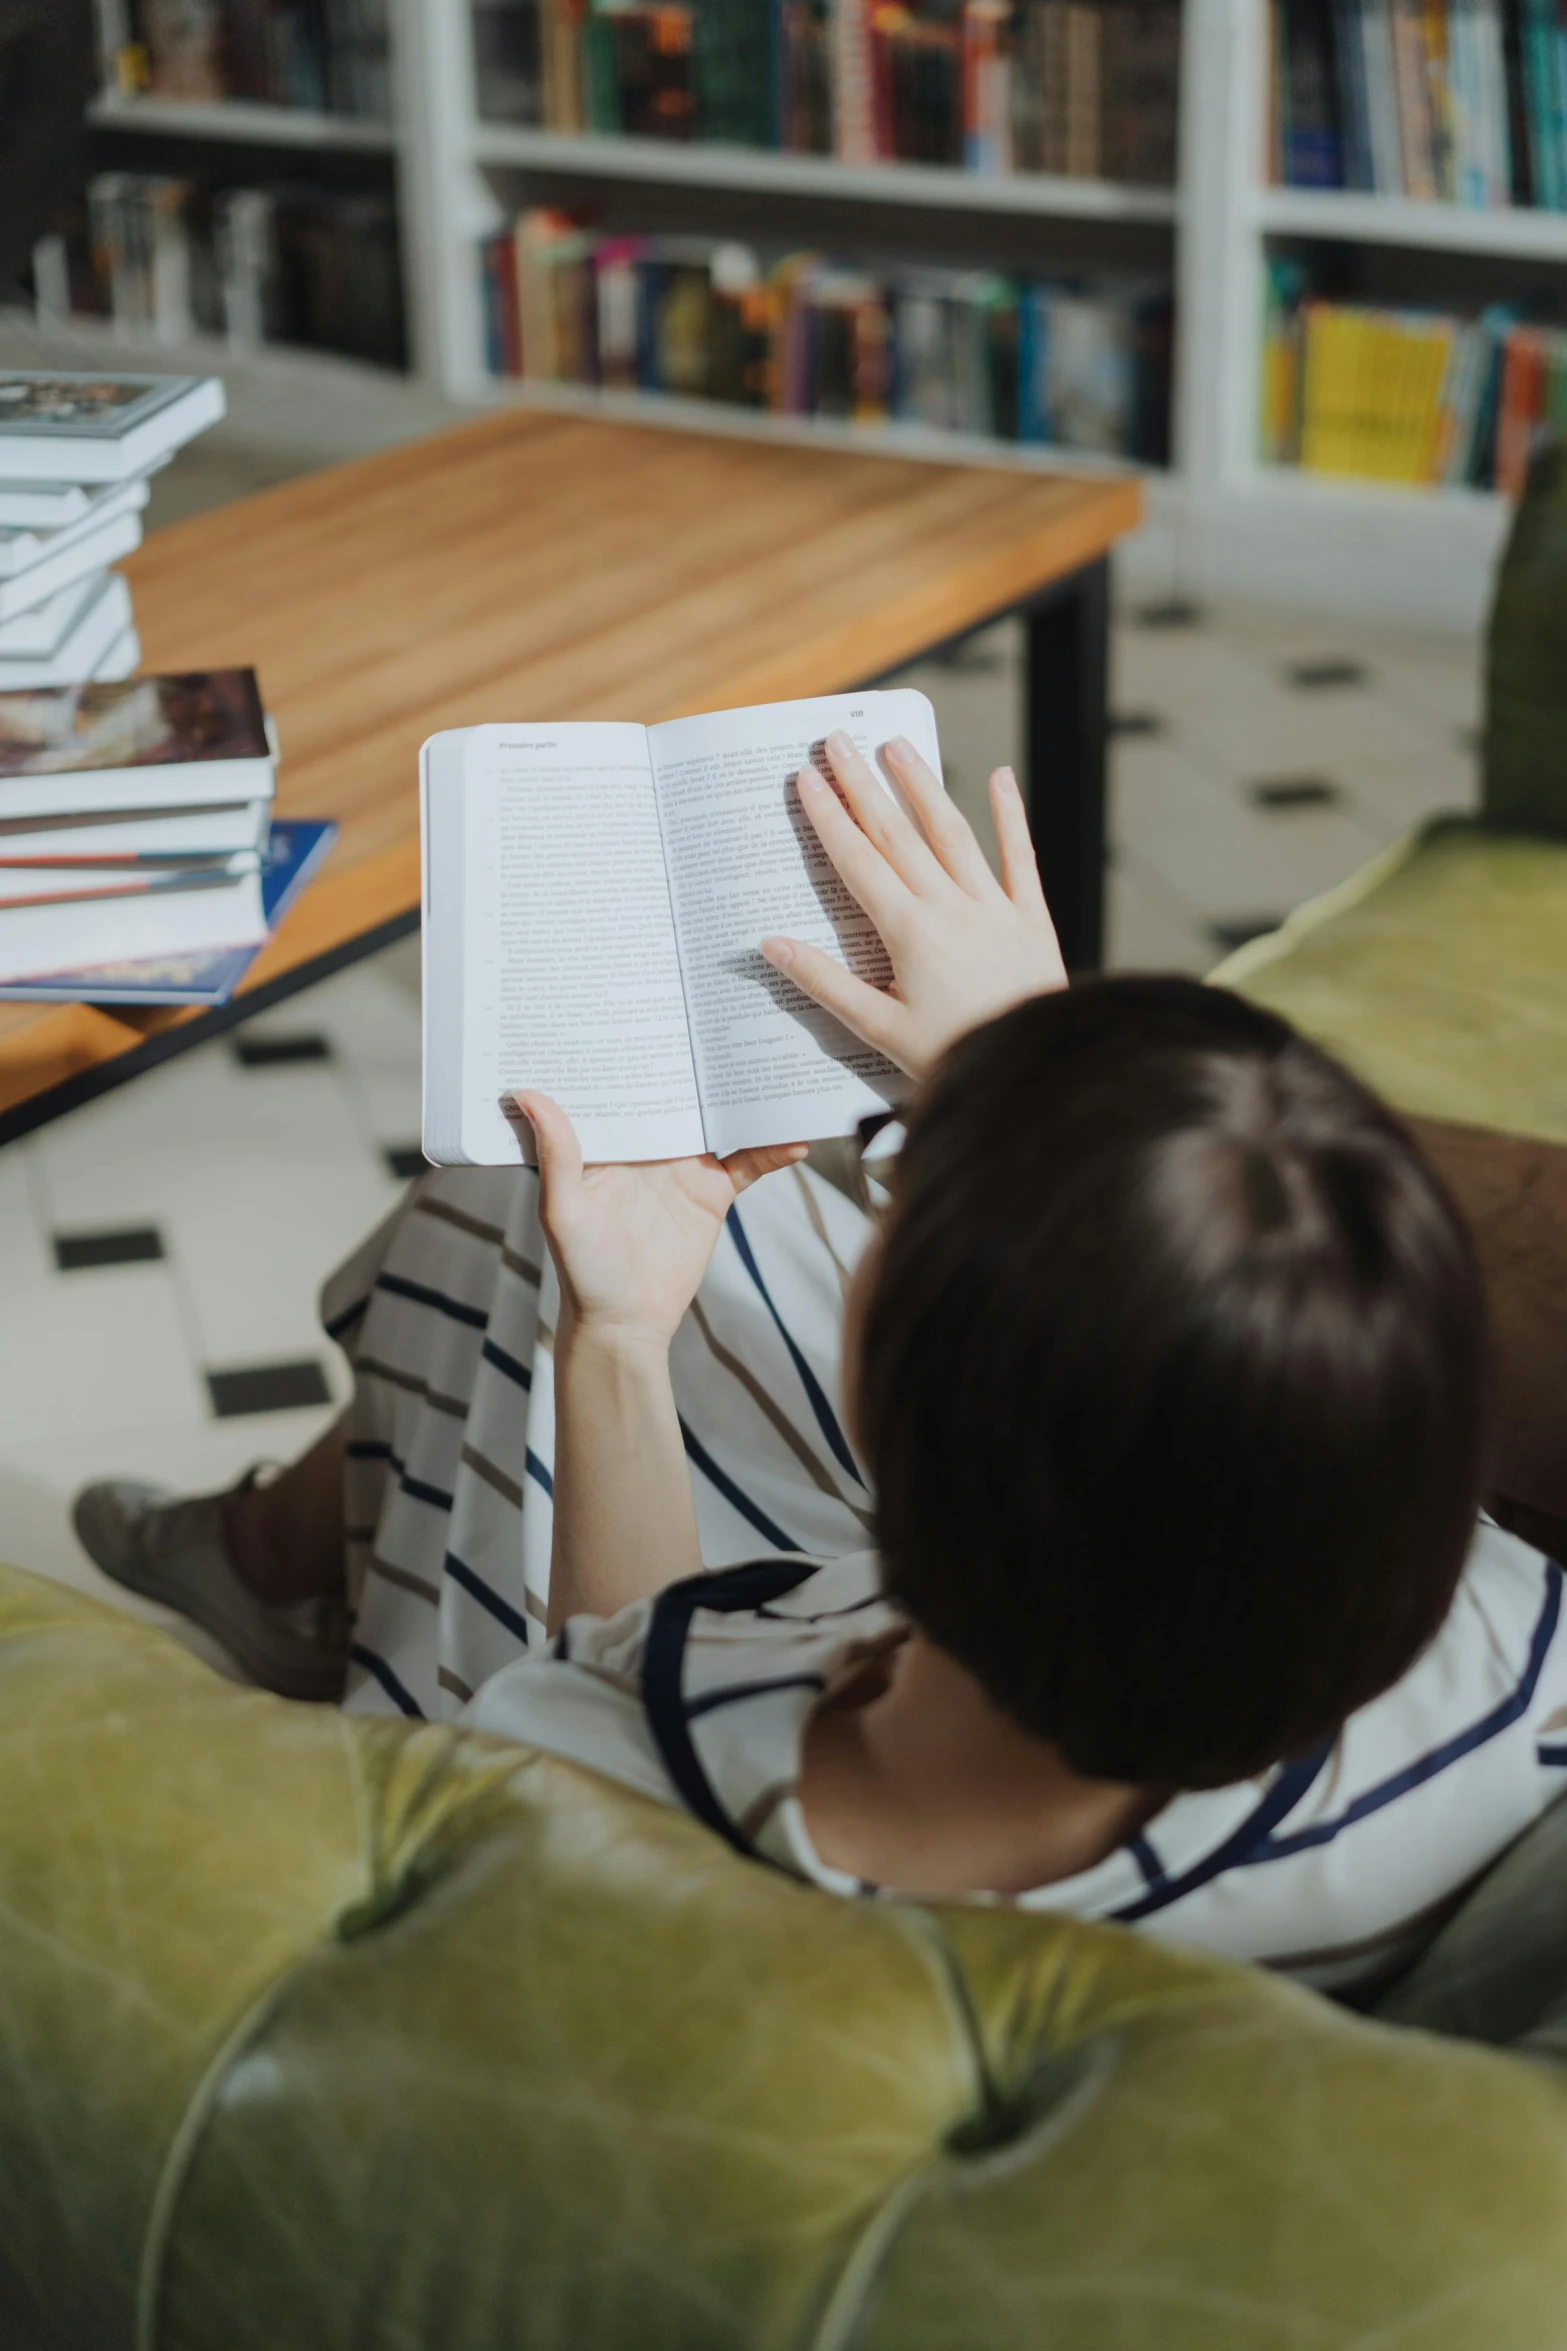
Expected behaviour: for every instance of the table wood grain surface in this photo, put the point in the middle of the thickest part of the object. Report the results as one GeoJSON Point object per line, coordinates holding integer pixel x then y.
{"type": "Point", "coordinates": [532, 566]}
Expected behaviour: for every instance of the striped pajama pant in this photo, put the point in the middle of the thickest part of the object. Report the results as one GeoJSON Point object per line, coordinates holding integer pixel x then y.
{"type": "Point", "coordinates": [447, 1315]}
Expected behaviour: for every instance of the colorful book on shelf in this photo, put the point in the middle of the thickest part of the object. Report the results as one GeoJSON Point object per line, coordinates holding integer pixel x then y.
{"type": "Point", "coordinates": [294, 853]}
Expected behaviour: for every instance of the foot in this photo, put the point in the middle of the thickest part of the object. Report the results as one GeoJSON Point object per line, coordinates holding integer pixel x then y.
{"type": "Point", "coordinates": [173, 1551]}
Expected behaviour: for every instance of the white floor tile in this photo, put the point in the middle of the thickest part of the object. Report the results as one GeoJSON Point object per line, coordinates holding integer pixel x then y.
{"type": "Point", "coordinates": [260, 1180]}
{"type": "Point", "coordinates": [102, 1349]}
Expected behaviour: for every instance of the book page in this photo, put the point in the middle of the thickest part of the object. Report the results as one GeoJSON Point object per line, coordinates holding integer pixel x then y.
{"type": "Point", "coordinates": [744, 864]}
{"type": "Point", "coordinates": [571, 982]}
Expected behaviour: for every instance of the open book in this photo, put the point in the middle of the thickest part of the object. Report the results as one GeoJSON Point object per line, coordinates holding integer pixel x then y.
{"type": "Point", "coordinates": [595, 896]}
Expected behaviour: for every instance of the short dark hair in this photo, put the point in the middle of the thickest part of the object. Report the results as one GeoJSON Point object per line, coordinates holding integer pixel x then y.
{"type": "Point", "coordinates": [1171, 1381]}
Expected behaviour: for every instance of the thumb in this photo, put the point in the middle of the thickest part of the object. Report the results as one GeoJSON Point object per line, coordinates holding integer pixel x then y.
{"type": "Point", "coordinates": [560, 1154]}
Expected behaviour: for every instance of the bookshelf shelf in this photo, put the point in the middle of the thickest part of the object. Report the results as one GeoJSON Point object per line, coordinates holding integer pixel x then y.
{"type": "Point", "coordinates": [753, 424]}
{"type": "Point", "coordinates": [251, 126]}
{"type": "Point", "coordinates": [933, 186]}
{"type": "Point", "coordinates": [1396, 220]}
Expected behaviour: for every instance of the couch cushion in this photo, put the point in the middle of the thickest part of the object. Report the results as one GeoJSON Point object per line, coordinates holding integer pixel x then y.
{"type": "Point", "coordinates": [348, 2033]}
{"type": "Point", "coordinates": [1439, 973]}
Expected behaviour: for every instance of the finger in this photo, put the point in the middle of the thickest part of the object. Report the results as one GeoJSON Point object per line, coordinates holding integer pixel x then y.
{"type": "Point", "coordinates": [867, 875]}
{"type": "Point", "coordinates": [946, 828]}
{"type": "Point", "coordinates": [878, 815]}
{"type": "Point", "coordinates": [560, 1154]}
{"type": "Point", "coordinates": [1019, 865]}
{"type": "Point", "coordinates": [744, 1167]}
{"type": "Point", "coordinates": [869, 1012]}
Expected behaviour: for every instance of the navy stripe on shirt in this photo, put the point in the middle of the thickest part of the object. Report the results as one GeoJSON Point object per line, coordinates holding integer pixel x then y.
{"type": "Point", "coordinates": [403, 1699]}
{"type": "Point", "coordinates": [1286, 1792]}
{"type": "Point", "coordinates": [826, 1418]}
{"type": "Point", "coordinates": [507, 1363]}
{"type": "Point", "coordinates": [1451, 1751]}
{"type": "Point", "coordinates": [726, 1592]}
{"type": "Point", "coordinates": [487, 1596]}
{"type": "Point", "coordinates": [753, 1511]}
{"type": "Point", "coordinates": [475, 1316]}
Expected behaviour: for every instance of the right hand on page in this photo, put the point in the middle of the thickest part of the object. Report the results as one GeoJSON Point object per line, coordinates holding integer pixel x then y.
{"type": "Point", "coordinates": [964, 946]}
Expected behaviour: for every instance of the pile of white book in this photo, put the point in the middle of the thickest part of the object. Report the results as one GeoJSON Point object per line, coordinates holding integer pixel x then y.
{"type": "Point", "coordinates": [76, 453]}
{"type": "Point", "coordinates": [135, 818]}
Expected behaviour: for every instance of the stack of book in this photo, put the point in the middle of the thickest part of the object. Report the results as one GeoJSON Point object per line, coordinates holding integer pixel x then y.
{"type": "Point", "coordinates": [328, 56]}
{"type": "Point", "coordinates": [138, 857]}
{"type": "Point", "coordinates": [1406, 396]}
{"type": "Point", "coordinates": [1080, 366]}
{"type": "Point", "coordinates": [166, 258]}
{"type": "Point", "coordinates": [1086, 88]}
{"type": "Point", "coordinates": [1459, 100]}
{"type": "Point", "coordinates": [76, 452]}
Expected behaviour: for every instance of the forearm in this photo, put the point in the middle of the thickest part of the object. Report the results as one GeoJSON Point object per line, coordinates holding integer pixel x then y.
{"type": "Point", "coordinates": [624, 1522]}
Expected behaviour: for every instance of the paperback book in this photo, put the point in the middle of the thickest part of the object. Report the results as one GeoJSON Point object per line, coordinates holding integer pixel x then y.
{"type": "Point", "coordinates": [98, 428]}
{"type": "Point", "coordinates": [293, 854]}
{"type": "Point", "coordinates": [595, 897]}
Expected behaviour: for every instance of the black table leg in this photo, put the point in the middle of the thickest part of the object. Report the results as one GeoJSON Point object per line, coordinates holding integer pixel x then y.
{"type": "Point", "coordinates": [1066, 687]}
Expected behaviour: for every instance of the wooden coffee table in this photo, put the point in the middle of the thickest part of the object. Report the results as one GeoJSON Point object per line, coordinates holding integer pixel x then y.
{"type": "Point", "coordinates": [536, 565]}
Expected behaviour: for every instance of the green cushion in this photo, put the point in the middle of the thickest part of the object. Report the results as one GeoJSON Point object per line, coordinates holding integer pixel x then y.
{"type": "Point", "coordinates": [1439, 973]}
{"type": "Point", "coordinates": [330, 2033]}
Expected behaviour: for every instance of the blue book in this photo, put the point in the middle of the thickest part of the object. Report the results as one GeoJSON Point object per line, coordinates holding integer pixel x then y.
{"type": "Point", "coordinates": [293, 853]}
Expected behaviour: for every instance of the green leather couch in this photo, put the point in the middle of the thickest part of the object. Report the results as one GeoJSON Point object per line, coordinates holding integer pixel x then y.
{"type": "Point", "coordinates": [319, 2033]}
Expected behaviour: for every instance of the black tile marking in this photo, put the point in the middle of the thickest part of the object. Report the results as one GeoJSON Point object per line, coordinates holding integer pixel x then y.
{"type": "Point", "coordinates": [1309, 676]}
{"type": "Point", "coordinates": [1175, 612]}
{"type": "Point", "coordinates": [269, 1052]}
{"type": "Point", "coordinates": [1274, 792]}
{"type": "Point", "coordinates": [1227, 936]}
{"type": "Point", "coordinates": [138, 1244]}
{"type": "Point", "coordinates": [1135, 722]}
{"type": "Point", "coordinates": [267, 1387]}
{"type": "Point", "coordinates": [406, 1160]}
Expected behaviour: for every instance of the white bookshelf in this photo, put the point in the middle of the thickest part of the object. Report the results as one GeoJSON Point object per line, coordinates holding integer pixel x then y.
{"type": "Point", "coordinates": [1221, 523]}
{"type": "Point", "coordinates": [931, 187]}
{"type": "Point", "coordinates": [234, 123]}
{"type": "Point", "coordinates": [1397, 220]}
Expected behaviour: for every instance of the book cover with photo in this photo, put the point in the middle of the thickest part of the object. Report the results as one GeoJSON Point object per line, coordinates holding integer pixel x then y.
{"type": "Point", "coordinates": [138, 722]}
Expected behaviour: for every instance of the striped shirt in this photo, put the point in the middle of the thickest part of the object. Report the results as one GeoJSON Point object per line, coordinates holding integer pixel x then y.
{"type": "Point", "coordinates": [1335, 1868]}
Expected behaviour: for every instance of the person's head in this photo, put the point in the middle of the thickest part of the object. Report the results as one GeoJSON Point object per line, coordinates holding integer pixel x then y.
{"type": "Point", "coordinates": [1169, 1370]}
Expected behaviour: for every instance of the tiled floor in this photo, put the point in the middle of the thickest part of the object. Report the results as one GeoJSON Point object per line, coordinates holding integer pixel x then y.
{"type": "Point", "coordinates": [160, 1250]}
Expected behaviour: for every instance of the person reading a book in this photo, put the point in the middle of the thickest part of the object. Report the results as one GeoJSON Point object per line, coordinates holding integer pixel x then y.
{"type": "Point", "coordinates": [1096, 1526]}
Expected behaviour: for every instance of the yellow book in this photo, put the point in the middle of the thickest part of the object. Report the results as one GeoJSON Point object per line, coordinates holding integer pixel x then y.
{"type": "Point", "coordinates": [1431, 344]}
{"type": "Point", "coordinates": [1328, 374]}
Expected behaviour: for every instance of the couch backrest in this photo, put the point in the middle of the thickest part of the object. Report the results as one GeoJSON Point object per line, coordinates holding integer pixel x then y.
{"type": "Point", "coordinates": [1524, 776]}
{"type": "Point", "coordinates": [325, 2032]}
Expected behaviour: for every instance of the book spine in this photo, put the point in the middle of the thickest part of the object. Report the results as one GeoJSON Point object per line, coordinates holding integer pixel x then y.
{"type": "Point", "coordinates": [987, 86]}
{"type": "Point", "coordinates": [1083, 82]}
{"type": "Point", "coordinates": [1492, 79]}
{"type": "Point", "coordinates": [853, 101]}
{"type": "Point", "coordinates": [1433, 34]}
{"type": "Point", "coordinates": [1350, 81]}
{"type": "Point", "coordinates": [1381, 97]}
{"type": "Point", "coordinates": [1519, 409]}
{"type": "Point", "coordinates": [1414, 125]}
